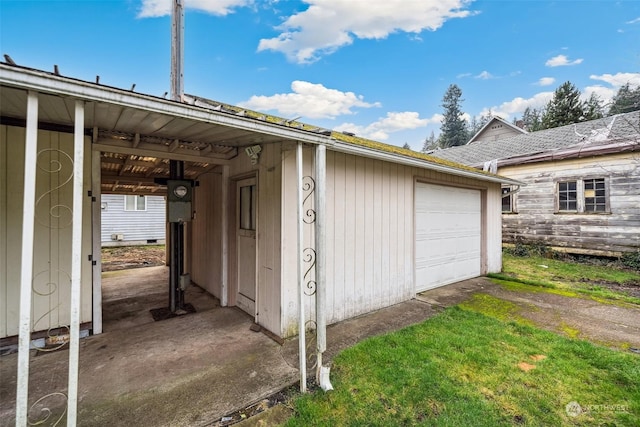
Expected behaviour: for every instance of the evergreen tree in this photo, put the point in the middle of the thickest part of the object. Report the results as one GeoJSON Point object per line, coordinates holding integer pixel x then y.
{"type": "Point", "coordinates": [593, 108]}
{"type": "Point", "coordinates": [532, 119]}
{"type": "Point", "coordinates": [625, 100]}
{"type": "Point", "coordinates": [564, 108]}
{"type": "Point", "coordinates": [406, 146]}
{"type": "Point", "coordinates": [454, 127]}
{"type": "Point", "coordinates": [430, 143]}
{"type": "Point", "coordinates": [477, 123]}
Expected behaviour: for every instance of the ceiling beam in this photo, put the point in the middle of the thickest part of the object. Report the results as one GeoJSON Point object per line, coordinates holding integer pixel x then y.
{"type": "Point", "coordinates": [162, 151]}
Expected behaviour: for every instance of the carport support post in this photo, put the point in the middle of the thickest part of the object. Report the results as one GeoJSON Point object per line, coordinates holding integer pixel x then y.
{"type": "Point", "coordinates": [321, 295]}
{"type": "Point", "coordinates": [301, 323]}
{"type": "Point", "coordinates": [76, 264]}
{"type": "Point", "coordinates": [26, 267]}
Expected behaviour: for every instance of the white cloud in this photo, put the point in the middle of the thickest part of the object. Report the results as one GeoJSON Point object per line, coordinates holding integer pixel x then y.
{"type": "Point", "coordinates": [327, 25]}
{"type": "Point", "coordinates": [562, 60]}
{"type": "Point", "coordinates": [618, 79]}
{"type": "Point", "coordinates": [463, 75]}
{"type": "Point", "coordinates": [518, 105]}
{"type": "Point", "coordinates": [393, 122]}
{"type": "Point", "coordinates": [485, 75]}
{"type": "Point", "coordinates": [634, 21]}
{"type": "Point", "coordinates": [309, 100]}
{"type": "Point", "coordinates": [156, 8]}
{"type": "Point", "coordinates": [546, 81]}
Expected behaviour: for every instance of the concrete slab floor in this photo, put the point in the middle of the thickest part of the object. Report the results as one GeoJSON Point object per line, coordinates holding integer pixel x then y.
{"type": "Point", "coordinates": [185, 371]}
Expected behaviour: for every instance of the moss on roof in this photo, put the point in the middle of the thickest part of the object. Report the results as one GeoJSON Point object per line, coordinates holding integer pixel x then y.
{"type": "Point", "coordinates": [393, 149]}
{"type": "Point", "coordinates": [351, 139]}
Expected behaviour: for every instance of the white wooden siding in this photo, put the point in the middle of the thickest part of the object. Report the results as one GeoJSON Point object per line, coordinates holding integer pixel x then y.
{"type": "Point", "coordinates": [206, 232]}
{"type": "Point", "coordinates": [52, 251]}
{"type": "Point", "coordinates": [206, 256]}
{"type": "Point", "coordinates": [370, 233]}
{"type": "Point", "coordinates": [135, 226]}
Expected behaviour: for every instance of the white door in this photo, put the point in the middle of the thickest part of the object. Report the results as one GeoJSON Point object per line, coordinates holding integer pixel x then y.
{"type": "Point", "coordinates": [246, 196]}
{"type": "Point", "coordinates": [448, 235]}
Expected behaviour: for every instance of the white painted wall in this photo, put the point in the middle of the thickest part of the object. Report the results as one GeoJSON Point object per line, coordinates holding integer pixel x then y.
{"type": "Point", "coordinates": [52, 251]}
{"type": "Point", "coordinates": [370, 234]}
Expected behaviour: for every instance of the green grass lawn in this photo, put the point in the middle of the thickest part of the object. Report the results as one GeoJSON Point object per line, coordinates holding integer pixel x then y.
{"type": "Point", "coordinates": [598, 281]}
{"type": "Point", "coordinates": [462, 368]}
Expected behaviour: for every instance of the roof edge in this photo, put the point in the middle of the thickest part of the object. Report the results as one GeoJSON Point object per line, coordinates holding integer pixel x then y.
{"type": "Point", "coordinates": [348, 148]}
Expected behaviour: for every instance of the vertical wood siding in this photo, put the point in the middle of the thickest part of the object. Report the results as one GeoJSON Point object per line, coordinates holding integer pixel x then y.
{"type": "Point", "coordinates": [370, 233]}
{"type": "Point", "coordinates": [206, 267]}
{"type": "Point", "coordinates": [535, 220]}
{"type": "Point", "coordinates": [52, 251]}
{"type": "Point", "coordinates": [206, 232]}
{"type": "Point", "coordinates": [135, 226]}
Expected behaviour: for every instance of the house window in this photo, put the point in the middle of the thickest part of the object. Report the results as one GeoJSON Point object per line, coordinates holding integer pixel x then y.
{"type": "Point", "coordinates": [507, 200]}
{"type": "Point", "coordinates": [595, 198]}
{"type": "Point", "coordinates": [248, 207]}
{"type": "Point", "coordinates": [583, 196]}
{"type": "Point", "coordinates": [568, 196]}
{"type": "Point", "coordinates": [135, 203]}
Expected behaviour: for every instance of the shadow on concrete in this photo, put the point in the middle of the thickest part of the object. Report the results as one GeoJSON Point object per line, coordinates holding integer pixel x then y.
{"type": "Point", "coordinates": [185, 371]}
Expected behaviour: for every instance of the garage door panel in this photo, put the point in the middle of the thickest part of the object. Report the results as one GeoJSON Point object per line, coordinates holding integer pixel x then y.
{"type": "Point", "coordinates": [448, 235]}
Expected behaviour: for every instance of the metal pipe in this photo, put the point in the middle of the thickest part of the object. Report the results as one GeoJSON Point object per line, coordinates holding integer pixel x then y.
{"type": "Point", "coordinates": [76, 264]}
{"type": "Point", "coordinates": [301, 318]}
{"type": "Point", "coordinates": [26, 267]}
{"type": "Point", "coordinates": [321, 295]}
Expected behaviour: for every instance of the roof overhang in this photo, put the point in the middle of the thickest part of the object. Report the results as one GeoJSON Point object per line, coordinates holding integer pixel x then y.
{"type": "Point", "coordinates": [423, 164]}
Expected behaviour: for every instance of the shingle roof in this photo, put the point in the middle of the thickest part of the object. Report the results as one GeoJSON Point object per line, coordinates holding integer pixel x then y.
{"type": "Point", "coordinates": [600, 131]}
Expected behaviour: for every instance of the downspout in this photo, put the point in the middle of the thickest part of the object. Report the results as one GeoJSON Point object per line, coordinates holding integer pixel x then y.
{"type": "Point", "coordinates": [301, 319]}
{"type": "Point", "coordinates": [322, 372]}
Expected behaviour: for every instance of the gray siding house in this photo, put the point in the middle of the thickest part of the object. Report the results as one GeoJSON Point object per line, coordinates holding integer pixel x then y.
{"type": "Point", "coordinates": [582, 192]}
{"type": "Point", "coordinates": [132, 219]}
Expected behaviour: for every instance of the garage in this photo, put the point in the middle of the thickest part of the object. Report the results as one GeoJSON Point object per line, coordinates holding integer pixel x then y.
{"type": "Point", "coordinates": [448, 235]}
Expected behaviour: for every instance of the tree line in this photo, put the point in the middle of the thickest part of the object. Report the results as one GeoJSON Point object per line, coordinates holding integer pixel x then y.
{"type": "Point", "coordinates": [565, 107]}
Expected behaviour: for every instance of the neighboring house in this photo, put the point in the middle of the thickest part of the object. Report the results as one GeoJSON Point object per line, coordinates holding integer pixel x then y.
{"type": "Point", "coordinates": [394, 222]}
{"type": "Point", "coordinates": [496, 128]}
{"type": "Point", "coordinates": [132, 219]}
{"type": "Point", "coordinates": [582, 191]}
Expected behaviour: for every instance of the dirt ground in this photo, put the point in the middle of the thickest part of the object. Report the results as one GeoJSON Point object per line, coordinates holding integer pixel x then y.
{"type": "Point", "coordinates": [125, 257]}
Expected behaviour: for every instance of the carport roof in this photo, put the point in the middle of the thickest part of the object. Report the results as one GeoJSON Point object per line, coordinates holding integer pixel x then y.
{"type": "Point", "coordinates": [138, 134]}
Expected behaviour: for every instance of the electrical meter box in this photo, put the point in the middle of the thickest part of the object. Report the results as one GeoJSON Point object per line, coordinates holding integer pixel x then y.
{"type": "Point", "coordinates": [179, 196]}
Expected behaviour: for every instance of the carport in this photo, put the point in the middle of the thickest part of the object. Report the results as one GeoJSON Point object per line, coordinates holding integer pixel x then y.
{"type": "Point", "coordinates": [112, 140]}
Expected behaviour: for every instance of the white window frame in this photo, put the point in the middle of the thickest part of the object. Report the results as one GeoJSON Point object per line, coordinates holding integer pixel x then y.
{"type": "Point", "coordinates": [136, 203]}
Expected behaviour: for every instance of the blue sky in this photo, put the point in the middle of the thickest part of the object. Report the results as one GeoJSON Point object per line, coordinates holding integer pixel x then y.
{"type": "Point", "coordinates": [378, 68]}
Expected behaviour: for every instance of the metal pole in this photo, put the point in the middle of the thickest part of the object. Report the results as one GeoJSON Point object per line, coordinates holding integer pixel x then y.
{"type": "Point", "coordinates": [26, 267]}
{"type": "Point", "coordinates": [76, 264]}
{"type": "Point", "coordinates": [301, 317]}
{"type": "Point", "coordinates": [177, 50]}
{"type": "Point", "coordinates": [173, 250]}
{"type": "Point", "coordinates": [321, 295]}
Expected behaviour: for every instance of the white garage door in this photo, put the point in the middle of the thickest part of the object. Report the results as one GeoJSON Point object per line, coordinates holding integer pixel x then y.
{"type": "Point", "coordinates": [448, 228]}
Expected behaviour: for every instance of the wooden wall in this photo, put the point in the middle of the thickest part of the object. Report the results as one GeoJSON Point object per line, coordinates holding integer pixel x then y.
{"type": "Point", "coordinates": [207, 230]}
{"type": "Point", "coordinates": [370, 234]}
{"type": "Point", "coordinates": [604, 234]}
{"type": "Point", "coordinates": [52, 251]}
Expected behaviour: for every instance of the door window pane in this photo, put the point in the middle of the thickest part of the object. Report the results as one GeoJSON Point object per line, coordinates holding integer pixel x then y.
{"type": "Point", "coordinates": [248, 207]}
